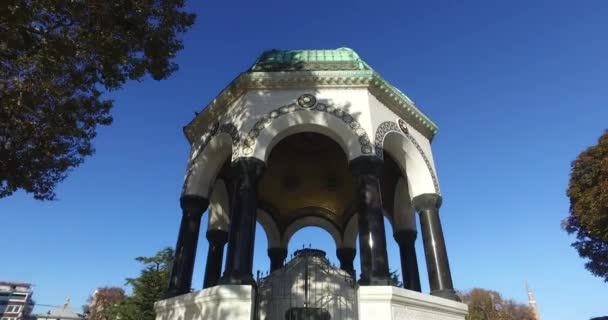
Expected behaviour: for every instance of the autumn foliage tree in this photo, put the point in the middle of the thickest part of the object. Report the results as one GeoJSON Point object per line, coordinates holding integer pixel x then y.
{"type": "Point", "coordinates": [102, 303]}
{"type": "Point", "coordinates": [56, 59]}
{"type": "Point", "coordinates": [588, 219]}
{"type": "Point", "coordinates": [490, 305]}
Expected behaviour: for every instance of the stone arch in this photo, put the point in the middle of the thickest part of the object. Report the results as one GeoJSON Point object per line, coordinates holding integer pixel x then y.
{"type": "Point", "coordinates": [273, 236]}
{"type": "Point", "coordinates": [208, 155]}
{"type": "Point", "coordinates": [219, 207]}
{"type": "Point", "coordinates": [306, 116]}
{"type": "Point", "coordinates": [409, 155]}
{"type": "Point", "coordinates": [311, 221]}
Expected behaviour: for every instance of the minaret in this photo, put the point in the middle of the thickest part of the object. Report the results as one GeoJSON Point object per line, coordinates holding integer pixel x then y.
{"type": "Point", "coordinates": [532, 302]}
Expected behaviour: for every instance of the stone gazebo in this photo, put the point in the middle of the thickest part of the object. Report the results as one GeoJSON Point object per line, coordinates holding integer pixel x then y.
{"type": "Point", "coordinates": [311, 138]}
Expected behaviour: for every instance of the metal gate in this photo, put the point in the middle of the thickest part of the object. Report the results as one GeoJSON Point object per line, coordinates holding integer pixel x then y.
{"type": "Point", "coordinates": [307, 287]}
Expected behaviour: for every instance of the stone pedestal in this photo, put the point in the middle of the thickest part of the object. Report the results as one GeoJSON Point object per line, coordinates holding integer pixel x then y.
{"type": "Point", "coordinates": [387, 302]}
{"type": "Point", "coordinates": [220, 302]}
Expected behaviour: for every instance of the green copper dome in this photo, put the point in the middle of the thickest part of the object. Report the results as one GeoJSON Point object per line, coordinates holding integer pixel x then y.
{"type": "Point", "coordinates": [309, 60]}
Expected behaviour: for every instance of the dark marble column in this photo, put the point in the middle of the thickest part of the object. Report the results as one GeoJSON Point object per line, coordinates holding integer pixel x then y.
{"type": "Point", "coordinates": [277, 256]}
{"type": "Point", "coordinates": [213, 270]}
{"type": "Point", "coordinates": [347, 259]}
{"type": "Point", "coordinates": [180, 281]}
{"type": "Point", "coordinates": [244, 174]}
{"type": "Point", "coordinates": [438, 267]}
{"type": "Point", "coordinates": [366, 171]}
{"type": "Point", "coordinates": [406, 239]}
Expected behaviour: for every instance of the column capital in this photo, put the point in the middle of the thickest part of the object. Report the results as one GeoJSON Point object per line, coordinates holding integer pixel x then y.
{"type": "Point", "coordinates": [366, 165]}
{"type": "Point", "coordinates": [277, 251]}
{"type": "Point", "coordinates": [346, 253]}
{"type": "Point", "coordinates": [193, 204]}
{"type": "Point", "coordinates": [217, 237]}
{"type": "Point", "coordinates": [277, 255]}
{"type": "Point", "coordinates": [347, 258]}
{"type": "Point", "coordinates": [427, 201]}
{"type": "Point", "coordinates": [250, 166]}
{"type": "Point", "coordinates": [405, 236]}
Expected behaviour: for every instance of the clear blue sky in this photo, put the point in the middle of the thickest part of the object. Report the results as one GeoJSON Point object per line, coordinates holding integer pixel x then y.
{"type": "Point", "coordinates": [518, 89]}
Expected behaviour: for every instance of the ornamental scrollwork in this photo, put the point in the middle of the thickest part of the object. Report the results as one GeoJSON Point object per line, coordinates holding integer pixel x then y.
{"type": "Point", "coordinates": [213, 130]}
{"type": "Point", "coordinates": [389, 126]}
{"type": "Point", "coordinates": [306, 102]}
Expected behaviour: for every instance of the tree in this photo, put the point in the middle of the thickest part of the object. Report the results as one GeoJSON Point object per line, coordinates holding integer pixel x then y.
{"type": "Point", "coordinates": [102, 303]}
{"type": "Point", "coordinates": [489, 305]}
{"type": "Point", "coordinates": [588, 219]}
{"type": "Point", "coordinates": [394, 274]}
{"type": "Point", "coordinates": [149, 287]}
{"type": "Point", "coordinates": [56, 58]}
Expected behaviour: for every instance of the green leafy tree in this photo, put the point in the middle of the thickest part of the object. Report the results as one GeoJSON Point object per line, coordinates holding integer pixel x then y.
{"type": "Point", "coordinates": [149, 287]}
{"type": "Point", "coordinates": [56, 58]}
{"type": "Point", "coordinates": [490, 305]}
{"type": "Point", "coordinates": [394, 274]}
{"type": "Point", "coordinates": [588, 219]}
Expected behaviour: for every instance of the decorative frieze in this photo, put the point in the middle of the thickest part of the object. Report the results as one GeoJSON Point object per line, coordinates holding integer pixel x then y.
{"type": "Point", "coordinates": [306, 103]}
{"type": "Point", "coordinates": [394, 99]}
{"type": "Point", "coordinates": [213, 130]}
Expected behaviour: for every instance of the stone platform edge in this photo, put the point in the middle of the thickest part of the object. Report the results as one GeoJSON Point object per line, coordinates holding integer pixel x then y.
{"type": "Point", "coordinates": [219, 302]}
{"type": "Point", "coordinates": [387, 302]}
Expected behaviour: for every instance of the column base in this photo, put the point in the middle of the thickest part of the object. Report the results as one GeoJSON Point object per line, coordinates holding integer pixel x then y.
{"type": "Point", "coordinates": [387, 302]}
{"type": "Point", "coordinates": [237, 280]}
{"type": "Point", "coordinates": [446, 294]}
{"type": "Point", "coordinates": [219, 302]}
{"type": "Point", "coordinates": [376, 281]}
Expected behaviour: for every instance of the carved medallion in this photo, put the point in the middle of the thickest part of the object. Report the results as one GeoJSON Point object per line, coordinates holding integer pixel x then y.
{"type": "Point", "coordinates": [307, 101]}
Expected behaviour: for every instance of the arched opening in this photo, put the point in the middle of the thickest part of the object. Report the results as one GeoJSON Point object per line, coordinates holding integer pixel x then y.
{"type": "Point", "coordinates": [315, 238]}
{"type": "Point", "coordinates": [390, 176]}
{"type": "Point", "coordinates": [315, 221]}
{"type": "Point", "coordinates": [394, 257]}
{"type": "Point", "coordinates": [308, 121]}
{"type": "Point", "coordinates": [412, 163]}
{"type": "Point", "coordinates": [206, 161]}
{"type": "Point", "coordinates": [307, 182]}
{"type": "Point", "coordinates": [202, 248]}
{"type": "Point", "coordinates": [261, 262]}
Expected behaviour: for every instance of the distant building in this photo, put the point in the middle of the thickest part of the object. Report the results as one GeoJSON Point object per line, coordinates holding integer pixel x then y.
{"type": "Point", "coordinates": [15, 301]}
{"type": "Point", "coordinates": [64, 312]}
{"type": "Point", "coordinates": [532, 303]}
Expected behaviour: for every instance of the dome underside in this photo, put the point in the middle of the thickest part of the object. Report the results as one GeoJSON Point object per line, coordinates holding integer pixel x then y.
{"type": "Point", "coordinates": [307, 174]}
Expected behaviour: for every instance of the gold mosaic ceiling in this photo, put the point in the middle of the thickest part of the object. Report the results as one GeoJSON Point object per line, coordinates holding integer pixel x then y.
{"type": "Point", "coordinates": [307, 174]}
